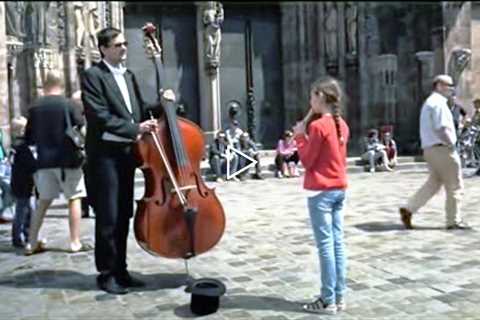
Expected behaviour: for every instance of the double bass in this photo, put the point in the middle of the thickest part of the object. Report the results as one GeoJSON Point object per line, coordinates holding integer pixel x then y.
{"type": "Point", "coordinates": [178, 216]}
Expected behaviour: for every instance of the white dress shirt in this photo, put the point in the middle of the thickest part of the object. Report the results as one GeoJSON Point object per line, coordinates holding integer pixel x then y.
{"type": "Point", "coordinates": [118, 75]}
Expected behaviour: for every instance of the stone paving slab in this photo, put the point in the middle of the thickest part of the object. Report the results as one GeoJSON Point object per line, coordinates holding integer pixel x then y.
{"type": "Point", "coordinates": [267, 260]}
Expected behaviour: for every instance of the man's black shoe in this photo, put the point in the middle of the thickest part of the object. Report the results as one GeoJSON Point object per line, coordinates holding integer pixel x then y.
{"type": "Point", "coordinates": [108, 284]}
{"type": "Point", "coordinates": [126, 280]}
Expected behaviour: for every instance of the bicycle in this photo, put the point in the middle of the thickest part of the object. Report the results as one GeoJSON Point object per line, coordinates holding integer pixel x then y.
{"type": "Point", "coordinates": [468, 146]}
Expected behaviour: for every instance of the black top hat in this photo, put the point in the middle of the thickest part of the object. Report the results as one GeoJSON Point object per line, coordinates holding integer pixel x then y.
{"type": "Point", "coordinates": [206, 294]}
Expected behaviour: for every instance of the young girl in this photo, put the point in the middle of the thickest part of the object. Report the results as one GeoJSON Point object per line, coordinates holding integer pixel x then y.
{"type": "Point", "coordinates": [322, 148]}
{"type": "Point", "coordinates": [287, 156]}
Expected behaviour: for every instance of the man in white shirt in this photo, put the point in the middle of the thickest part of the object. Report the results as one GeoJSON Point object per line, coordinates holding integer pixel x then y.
{"type": "Point", "coordinates": [438, 138]}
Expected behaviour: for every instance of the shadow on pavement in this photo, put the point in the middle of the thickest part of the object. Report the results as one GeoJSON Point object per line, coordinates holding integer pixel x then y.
{"type": "Point", "coordinates": [67, 279]}
{"type": "Point", "coordinates": [386, 226]}
{"type": "Point", "coordinates": [247, 302]}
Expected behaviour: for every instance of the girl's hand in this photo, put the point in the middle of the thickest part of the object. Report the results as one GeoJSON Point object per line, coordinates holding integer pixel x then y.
{"type": "Point", "coordinates": [299, 128]}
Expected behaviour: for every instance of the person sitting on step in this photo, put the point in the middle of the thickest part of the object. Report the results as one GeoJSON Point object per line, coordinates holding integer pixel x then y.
{"type": "Point", "coordinates": [375, 151]}
{"type": "Point", "coordinates": [218, 158]}
{"type": "Point", "coordinates": [286, 159]}
{"type": "Point", "coordinates": [390, 149]}
{"type": "Point", "coordinates": [248, 146]}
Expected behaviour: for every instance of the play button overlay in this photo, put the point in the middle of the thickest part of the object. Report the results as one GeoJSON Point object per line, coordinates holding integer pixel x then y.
{"type": "Point", "coordinates": [230, 152]}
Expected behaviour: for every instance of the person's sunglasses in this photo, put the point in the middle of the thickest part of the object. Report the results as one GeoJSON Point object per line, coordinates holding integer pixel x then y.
{"type": "Point", "coordinates": [118, 45]}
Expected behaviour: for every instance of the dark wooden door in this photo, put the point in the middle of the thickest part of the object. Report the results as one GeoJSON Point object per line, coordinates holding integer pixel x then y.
{"type": "Point", "coordinates": [266, 66]}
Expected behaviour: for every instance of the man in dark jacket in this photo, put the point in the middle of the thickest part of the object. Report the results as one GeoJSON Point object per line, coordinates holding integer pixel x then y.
{"type": "Point", "coordinates": [116, 118]}
{"type": "Point", "coordinates": [248, 146]}
{"type": "Point", "coordinates": [218, 157]}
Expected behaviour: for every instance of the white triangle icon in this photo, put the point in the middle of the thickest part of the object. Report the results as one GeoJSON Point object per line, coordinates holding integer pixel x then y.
{"type": "Point", "coordinates": [241, 154]}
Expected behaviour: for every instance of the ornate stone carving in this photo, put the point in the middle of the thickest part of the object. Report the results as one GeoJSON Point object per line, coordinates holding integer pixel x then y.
{"type": "Point", "coordinates": [42, 24]}
{"type": "Point", "coordinates": [61, 25]}
{"type": "Point", "coordinates": [43, 59]}
{"type": "Point", "coordinates": [102, 10]}
{"type": "Point", "coordinates": [212, 19]}
{"type": "Point", "coordinates": [78, 9]}
{"type": "Point", "coordinates": [458, 61]}
{"type": "Point", "coordinates": [50, 36]}
{"type": "Point", "coordinates": [351, 13]}
{"type": "Point", "coordinates": [330, 27]}
{"type": "Point", "coordinates": [93, 24]}
{"type": "Point", "coordinates": [14, 47]}
{"type": "Point", "coordinates": [108, 14]}
{"type": "Point", "coordinates": [15, 18]}
{"type": "Point", "coordinates": [87, 23]}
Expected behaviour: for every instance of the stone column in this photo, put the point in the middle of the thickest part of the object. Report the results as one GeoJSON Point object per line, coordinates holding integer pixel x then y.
{"type": "Point", "coordinates": [289, 60]}
{"type": "Point", "coordinates": [116, 11]}
{"type": "Point", "coordinates": [341, 40]}
{"type": "Point", "coordinates": [14, 47]}
{"type": "Point", "coordinates": [69, 57]}
{"type": "Point", "coordinates": [4, 106]}
{"type": "Point", "coordinates": [301, 47]}
{"type": "Point", "coordinates": [438, 40]}
{"type": "Point", "coordinates": [320, 40]}
{"type": "Point", "coordinates": [330, 28]}
{"type": "Point", "coordinates": [425, 74]}
{"type": "Point", "coordinates": [389, 70]}
{"type": "Point", "coordinates": [363, 68]}
{"type": "Point", "coordinates": [209, 80]}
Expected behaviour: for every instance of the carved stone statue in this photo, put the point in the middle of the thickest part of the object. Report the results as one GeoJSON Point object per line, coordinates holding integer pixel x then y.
{"type": "Point", "coordinates": [459, 60]}
{"type": "Point", "coordinates": [212, 19]}
{"type": "Point", "coordinates": [330, 27]}
{"type": "Point", "coordinates": [78, 9]}
{"type": "Point", "coordinates": [93, 24]}
{"type": "Point", "coordinates": [42, 22]}
{"type": "Point", "coordinates": [15, 14]}
{"type": "Point", "coordinates": [351, 27]}
{"type": "Point", "coordinates": [51, 23]}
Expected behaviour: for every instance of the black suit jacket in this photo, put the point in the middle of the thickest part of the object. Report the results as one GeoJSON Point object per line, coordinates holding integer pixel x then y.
{"type": "Point", "coordinates": [105, 108]}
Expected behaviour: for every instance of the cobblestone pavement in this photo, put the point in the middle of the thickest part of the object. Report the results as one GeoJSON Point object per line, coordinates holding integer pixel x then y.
{"type": "Point", "coordinates": [267, 260]}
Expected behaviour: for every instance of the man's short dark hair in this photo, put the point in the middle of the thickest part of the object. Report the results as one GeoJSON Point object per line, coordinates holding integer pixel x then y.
{"type": "Point", "coordinates": [105, 36]}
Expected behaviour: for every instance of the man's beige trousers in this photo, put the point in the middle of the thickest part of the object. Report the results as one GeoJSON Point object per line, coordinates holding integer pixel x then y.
{"type": "Point", "coordinates": [445, 169]}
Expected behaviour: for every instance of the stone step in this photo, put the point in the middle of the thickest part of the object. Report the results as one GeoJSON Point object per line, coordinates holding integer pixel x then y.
{"type": "Point", "coordinates": [264, 154]}
{"type": "Point", "coordinates": [267, 162]}
{"type": "Point", "coordinates": [268, 169]}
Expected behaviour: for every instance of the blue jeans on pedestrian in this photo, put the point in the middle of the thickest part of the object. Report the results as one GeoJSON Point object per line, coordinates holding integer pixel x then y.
{"type": "Point", "coordinates": [327, 222]}
{"type": "Point", "coordinates": [21, 221]}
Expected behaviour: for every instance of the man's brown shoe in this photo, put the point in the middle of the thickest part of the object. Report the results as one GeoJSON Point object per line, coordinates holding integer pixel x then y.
{"type": "Point", "coordinates": [406, 217]}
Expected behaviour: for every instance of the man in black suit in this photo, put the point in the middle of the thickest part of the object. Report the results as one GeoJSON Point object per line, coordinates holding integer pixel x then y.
{"type": "Point", "coordinates": [116, 117]}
